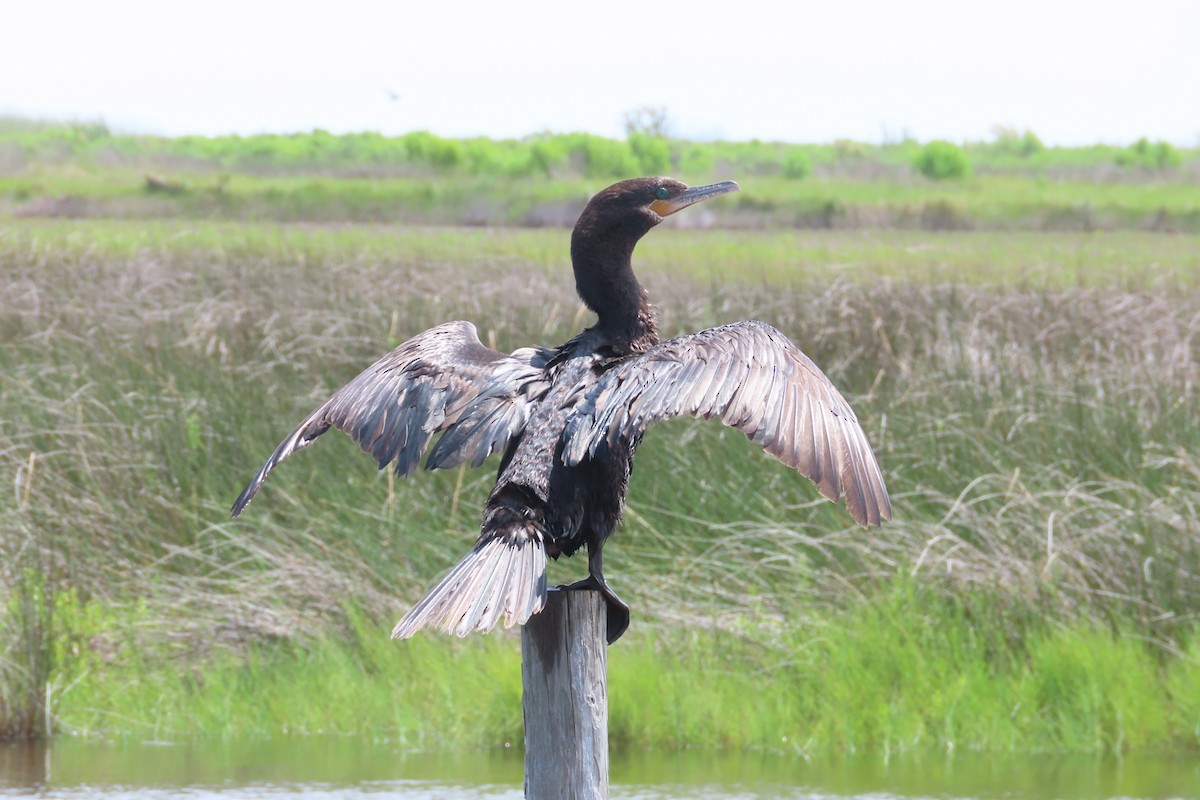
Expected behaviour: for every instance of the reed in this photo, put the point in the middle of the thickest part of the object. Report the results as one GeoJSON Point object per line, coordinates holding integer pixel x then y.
{"type": "Point", "coordinates": [1034, 412]}
{"type": "Point", "coordinates": [910, 671]}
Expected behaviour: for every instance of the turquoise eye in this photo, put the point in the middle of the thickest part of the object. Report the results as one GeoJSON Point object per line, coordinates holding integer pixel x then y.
{"type": "Point", "coordinates": [661, 193]}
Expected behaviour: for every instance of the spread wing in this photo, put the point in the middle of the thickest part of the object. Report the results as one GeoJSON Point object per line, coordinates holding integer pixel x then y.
{"type": "Point", "coordinates": [755, 380]}
{"type": "Point", "coordinates": [395, 406]}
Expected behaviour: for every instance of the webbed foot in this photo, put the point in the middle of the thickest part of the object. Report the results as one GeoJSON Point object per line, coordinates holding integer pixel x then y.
{"type": "Point", "coordinates": [618, 609]}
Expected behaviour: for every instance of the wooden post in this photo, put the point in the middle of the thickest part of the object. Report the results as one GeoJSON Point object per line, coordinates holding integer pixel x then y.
{"type": "Point", "coordinates": [565, 702]}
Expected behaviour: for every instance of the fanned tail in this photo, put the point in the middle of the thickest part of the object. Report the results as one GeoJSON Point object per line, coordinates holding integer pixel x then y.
{"type": "Point", "coordinates": [504, 574]}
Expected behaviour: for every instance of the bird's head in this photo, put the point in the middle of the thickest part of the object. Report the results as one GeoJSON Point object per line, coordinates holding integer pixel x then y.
{"type": "Point", "coordinates": [602, 245]}
{"type": "Point", "coordinates": [641, 203]}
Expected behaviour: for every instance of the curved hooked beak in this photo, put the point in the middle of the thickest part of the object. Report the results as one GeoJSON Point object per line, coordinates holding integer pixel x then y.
{"type": "Point", "coordinates": [690, 196]}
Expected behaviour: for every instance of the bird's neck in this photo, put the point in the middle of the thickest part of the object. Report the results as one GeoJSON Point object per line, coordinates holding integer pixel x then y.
{"type": "Point", "coordinates": [605, 281]}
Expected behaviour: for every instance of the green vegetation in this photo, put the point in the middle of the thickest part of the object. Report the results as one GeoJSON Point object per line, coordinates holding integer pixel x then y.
{"type": "Point", "coordinates": [1010, 141]}
{"type": "Point", "coordinates": [908, 672]}
{"type": "Point", "coordinates": [796, 165]}
{"type": "Point", "coordinates": [993, 202]}
{"type": "Point", "coordinates": [1032, 398]}
{"type": "Point", "coordinates": [1152, 156]}
{"type": "Point", "coordinates": [25, 142]}
{"type": "Point", "coordinates": [1016, 182]}
{"type": "Point", "coordinates": [941, 161]}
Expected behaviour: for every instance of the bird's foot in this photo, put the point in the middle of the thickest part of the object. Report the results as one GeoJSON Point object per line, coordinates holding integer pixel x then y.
{"type": "Point", "coordinates": [618, 609]}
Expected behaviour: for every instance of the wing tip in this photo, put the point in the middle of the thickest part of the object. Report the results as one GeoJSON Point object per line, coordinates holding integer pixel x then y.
{"type": "Point", "coordinates": [244, 498]}
{"type": "Point", "coordinates": [875, 514]}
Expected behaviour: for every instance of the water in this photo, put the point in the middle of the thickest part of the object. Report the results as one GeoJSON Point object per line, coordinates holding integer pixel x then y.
{"type": "Point", "coordinates": [340, 769]}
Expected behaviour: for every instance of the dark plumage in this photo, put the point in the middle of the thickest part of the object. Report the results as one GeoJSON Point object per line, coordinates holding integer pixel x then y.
{"type": "Point", "coordinates": [568, 419]}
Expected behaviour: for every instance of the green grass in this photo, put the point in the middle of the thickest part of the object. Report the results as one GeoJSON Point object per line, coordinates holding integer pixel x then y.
{"type": "Point", "coordinates": [907, 673]}
{"type": "Point", "coordinates": [86, 170]}
{"type": "Point", "coordinates": [1031, 396]}
{"type": "Point", "coordinates": [549, 154]}
{"type": "Point", "coordinates": [749, 259]}
{"type": "Point", "coordinates": [989, 202]}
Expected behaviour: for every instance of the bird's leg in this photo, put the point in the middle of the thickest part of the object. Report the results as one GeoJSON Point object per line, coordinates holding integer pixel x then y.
{"type": "Point", "coordinates": [618, 610]}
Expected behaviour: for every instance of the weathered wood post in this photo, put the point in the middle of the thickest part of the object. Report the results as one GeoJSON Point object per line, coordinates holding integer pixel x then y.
{"type": "Point", "coordinates": [564, 667]}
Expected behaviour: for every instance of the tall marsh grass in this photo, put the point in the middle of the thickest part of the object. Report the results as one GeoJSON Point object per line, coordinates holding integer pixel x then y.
{"type": "Point", "coordinates": [1039, 587]}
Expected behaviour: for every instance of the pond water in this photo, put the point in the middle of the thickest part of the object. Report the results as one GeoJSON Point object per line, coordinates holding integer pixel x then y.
{"type": "Point", "coordinates": [337, 769]}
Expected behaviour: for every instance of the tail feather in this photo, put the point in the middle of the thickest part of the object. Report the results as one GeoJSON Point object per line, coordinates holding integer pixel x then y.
{"type": "Point", "coordinates": [483, 610]}
{"type": "Point", "coordinates": [504, 574]}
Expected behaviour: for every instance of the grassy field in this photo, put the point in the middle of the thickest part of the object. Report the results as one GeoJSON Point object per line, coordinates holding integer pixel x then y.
{"type": "Point", "coordinates": [1031, 396]}
{"type": "Point", "coordinates": [88, 171]}
{"type": "Point", "coordinates": [996, 202]}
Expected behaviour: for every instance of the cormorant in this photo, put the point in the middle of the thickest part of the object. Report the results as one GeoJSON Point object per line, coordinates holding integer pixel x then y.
{"type": "Point", "coordinates": [568, 419]}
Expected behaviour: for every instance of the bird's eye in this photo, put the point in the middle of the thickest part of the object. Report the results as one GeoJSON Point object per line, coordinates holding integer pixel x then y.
{"type": "Point", "coordinates": [661, 193]}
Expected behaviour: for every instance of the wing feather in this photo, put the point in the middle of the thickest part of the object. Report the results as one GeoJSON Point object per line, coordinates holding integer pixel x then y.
{"type": "Point", "coordinates": [825, 473]}
{"type": "Point", "coordinates": [394, 407]}
{"type": "Point", "coordinates": [755, 380]}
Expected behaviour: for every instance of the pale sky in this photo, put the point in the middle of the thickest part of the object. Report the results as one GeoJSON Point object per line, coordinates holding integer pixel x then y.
{"type": "Point", "coordinates": [1074, 72]}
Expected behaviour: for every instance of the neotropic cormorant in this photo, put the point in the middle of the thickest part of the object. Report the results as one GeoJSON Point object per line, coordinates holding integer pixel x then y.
{"type": "Point", "coordinates": [568, 419]}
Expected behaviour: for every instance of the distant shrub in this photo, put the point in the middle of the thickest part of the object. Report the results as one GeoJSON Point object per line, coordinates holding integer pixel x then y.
{"type": "Point", "coordinates": [754, 157]}
{"type": "Point", "coordinates": [261, 148]}
{"type": "Point", "coordinates": [1149, 155]}
{"type": "Point", "coordinates": [483, 156]}
{"type": "Point", "coordinates": [90, 131]}
{"type": "Point", "coordinates": [606, 158]}
{"type": "Point", "coordinates": [1031, 144]}
{"type": "Point", "coordinates": [427, 148]}
{"type": "Point", "coordinates": [941, 160]}
{"type": "Point", "coordinates": [849, 150]}
{"type": "Point", "coordinates": [796, 164]}
{"type": "Point", "coordinates": [369, 147]}
{"type": "Point", "coordinates": [759, 157]}
{"type": "Point", "coordinates": [696, 159]}
{"type": "Point", "coordinates": [548, 155]}
{"type": "Point", "coordinates": [1013, 142]}
{"type": "Point", "coordinates": [652, 153]}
